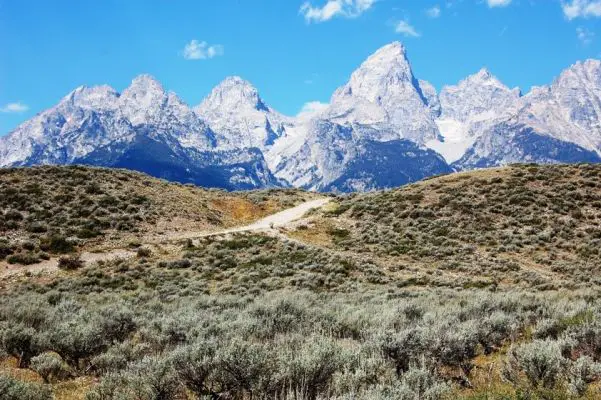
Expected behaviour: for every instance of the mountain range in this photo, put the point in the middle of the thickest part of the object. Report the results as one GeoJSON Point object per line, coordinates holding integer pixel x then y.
{"type": "Point", "coordinates": [382, 129]}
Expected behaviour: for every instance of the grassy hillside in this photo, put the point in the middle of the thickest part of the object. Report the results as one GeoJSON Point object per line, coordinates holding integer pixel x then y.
{"type": "Point", "coordinates": [63, 209]}
{"type": "Point", "coordinates": [520, 226]}
{"type": "Point", "coordinates": [480, 285]}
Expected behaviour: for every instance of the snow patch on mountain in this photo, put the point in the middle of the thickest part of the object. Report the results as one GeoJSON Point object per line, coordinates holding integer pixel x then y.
{"type": "Point", "coordinates": [467, 108]}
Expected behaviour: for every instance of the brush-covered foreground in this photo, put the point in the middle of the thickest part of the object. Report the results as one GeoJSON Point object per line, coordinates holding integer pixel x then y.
{"type": "Point", "coordinates": [453, 288]}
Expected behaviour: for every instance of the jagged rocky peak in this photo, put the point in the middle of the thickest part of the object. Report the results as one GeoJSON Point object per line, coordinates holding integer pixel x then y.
{"type": "Point", "coordinates": [233, 92]}
{"type": "Point", "coordinates": [384, 93]}
{"type": "Point", "coordinates": [484, 74]}
{"type": "Point", "coordinates": [145, 83]}
{"type": "Point", "coordinates": [479, 93]}
{"type": "Point", "coordinates": [144, 88]}
{"type": "Point", "coordinates": [485, 78]}
{"type": "Point", "coordinates": [430, 96]}
{"type": "Point", "coordinates": [383, 72]}
{"type": "Point", "coordinates": [101, 97]}
{"type": "Point", "coordinates": [581, 73]}
{"type": "Point", "coordinates": [143, 100]}
{"type": "Point", "coordinates": [239, 117]}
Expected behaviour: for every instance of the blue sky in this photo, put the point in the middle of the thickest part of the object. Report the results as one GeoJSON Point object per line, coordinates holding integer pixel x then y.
{"type": "Point", "coordinates": [293, 51]}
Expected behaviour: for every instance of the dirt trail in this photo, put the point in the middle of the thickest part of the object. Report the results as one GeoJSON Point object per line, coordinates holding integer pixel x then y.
{"type": "Point", "coordinates": [271, 222]}
{"type": "Point", "coordinates": [267, 224]}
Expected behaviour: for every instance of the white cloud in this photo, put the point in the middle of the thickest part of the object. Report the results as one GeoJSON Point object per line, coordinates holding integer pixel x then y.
{"type": "Point", "coordinates": [581, 8]}
{"type": "Point", "coordinates": [433, 12]}
{"type": "Point", "coordinates": [498, 3]}
{"type": "Point", "coordinates": [406, 29]}
{"type": "Point", "coordinates": [584, 35]}
{"type": "Point", "coordinates": [14, 108]}
{"type": "Point", "coordinates": [335, 8]}
{"type": "Point", "coordinates": [197, 50]}
{"type": "Point", "coordinates": [311, 109]}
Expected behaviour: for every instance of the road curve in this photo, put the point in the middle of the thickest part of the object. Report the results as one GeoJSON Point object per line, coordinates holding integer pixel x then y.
{"type": "Point", "coordinates": [269, 223]}
{"type": "Point", "coordinates": [274, 221]}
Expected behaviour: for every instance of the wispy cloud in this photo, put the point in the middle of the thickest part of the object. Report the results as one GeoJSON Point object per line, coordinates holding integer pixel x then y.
{"type": "Point", "coordinates": [200, 50]}
{"type": "Point", "coordinates": [311, 109]}
{"type": "Point", "coordinates": [498, 3]}
{"type": "Point", "coordinates": [335, 8]}
{"type": "Point", "coordinates": [405, 28]}
{"type": "Point", "coordinates": [14, 108]}
{"type": "Point", "coordinates": [584, 35]}
{"type": "Point", "coordinates": [433, 12]}
{"type": "Point", "coordinates": [581, 8]}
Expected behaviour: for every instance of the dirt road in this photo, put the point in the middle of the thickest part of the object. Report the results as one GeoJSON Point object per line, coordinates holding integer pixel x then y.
{"type": "Point", "coordinates": [269, 223]}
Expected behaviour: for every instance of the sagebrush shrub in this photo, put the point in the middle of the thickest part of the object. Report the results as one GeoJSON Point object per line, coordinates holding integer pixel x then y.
{"type": "Point", "coordinates": [541, 361]}
{"type": "Point", "coordinates": [49, 366]}
{"type": "Point", "coordinates": [12, 389]}
{"type": "Point", "coordinates": [70, 263]}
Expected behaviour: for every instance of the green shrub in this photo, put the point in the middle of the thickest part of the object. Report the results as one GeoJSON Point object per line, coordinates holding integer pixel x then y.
{"type": "Point", "coordinates": [582, 373]}
{"type": "Point", "coordinates": [176, 264]}
{"type": "Point", "coordinates": [21, 342]}
{"type": "Point", "coordinates": [5, 249]}
{"type": "Point", "coordinates": [70, 263]}
{"type": "Point", "coordinates": [195, 365]}
{"type": "Point", "coordinates": [541, 362]}
{"type": "Point", "coordinates": [13, 215]}
{"type": "Point", "coordinates": [23, 258]}
{"type": "Point", "coordinates": [11, 389]}
{"type": "Point", "coordinates": [76, 339]}
{"type": "Point", "coordinates": [310, 367]}
{"type": "Point", "coordinates": [57, 244]}
{"type": "Point", "coordinates": [144, 252]}
{"type": "Point", "coordinates": [151, 378]}
{"type": "Point", "coordinates": [49, 365]}
{"type": "Point", "coordinates": [37, 227]}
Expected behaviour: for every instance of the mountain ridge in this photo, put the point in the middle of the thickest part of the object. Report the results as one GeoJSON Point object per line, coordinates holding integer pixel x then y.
{"type": "Point", "coordinates": [233, 139]}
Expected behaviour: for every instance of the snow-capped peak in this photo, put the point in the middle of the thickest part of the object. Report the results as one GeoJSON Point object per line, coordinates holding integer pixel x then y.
{"type": "Point", "coordinates": [381, 74]}
{"type": "Point", "coordinates": [233, 92]}
{"type": "Point", "coordinates": [474, 102]}
{"type": "Point", "coordinates": [481, 78]}
{"type": "Point", "coordinates": [570, 108]}
{"type": "Point", "coordinates": [377, 88]}
{"type": "Point", "coordinates": [145, 83]}
{"type": "Point", "coordinates": [484, 74]}
{"type": "Point", "coordinates": [142, 101]}
{"type": "Point", "coordinates": [588, 72]}
{"type": "Point", "coordinates": [393, 53]}
{"type": "Point", "coordinates": [235, 111]}
{"type": "Point", "coordinates": [101, 97]}
{"type": "Point", "coordinates": [478, 93]}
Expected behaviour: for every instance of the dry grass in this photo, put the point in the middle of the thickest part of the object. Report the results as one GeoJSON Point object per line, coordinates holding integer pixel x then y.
{"type": "Point", "coordinates": [75, 389]}
{"type": "Point", "coordinates": [8, 366]}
